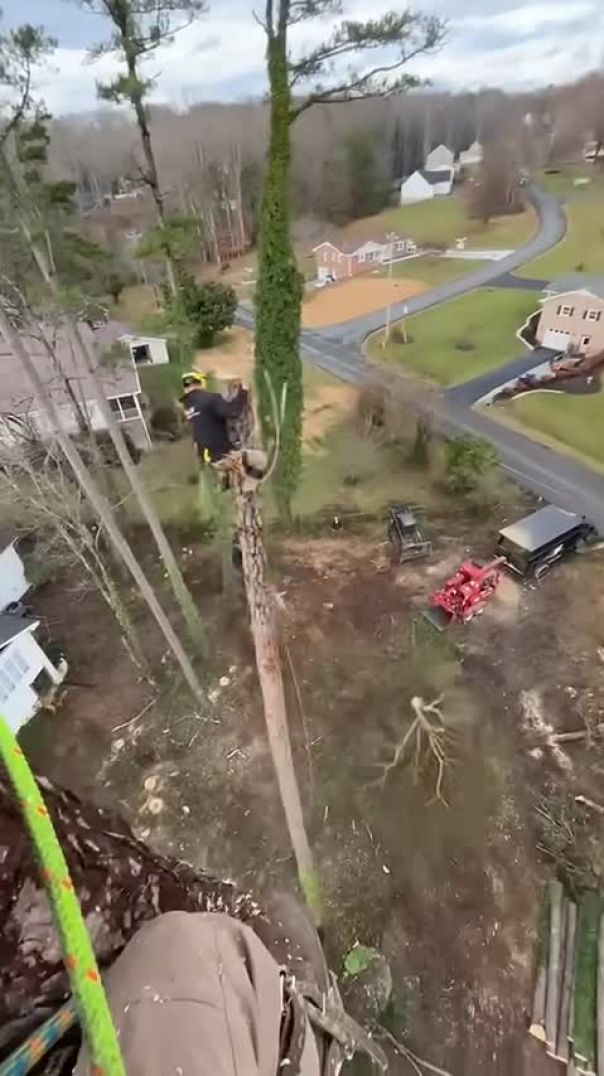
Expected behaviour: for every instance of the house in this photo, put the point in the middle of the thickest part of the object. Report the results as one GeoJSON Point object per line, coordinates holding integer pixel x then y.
{"type": "Point", "coordinates": [426, 183]}
{"type": "Point", "coordinates": [440, 157]}
{"type": "Point", "coordinates": [27, 675]}
{"type": "Point", "coordinates": [572, 314]}
{"type": "Point", "coordinates": [70, 386]}
{"type": "Point", "coordinates": [344, 258]}
{"type": "Point", "coordinates": [471, 157]}
{"type": "Point", "coordinates": [14, 583]}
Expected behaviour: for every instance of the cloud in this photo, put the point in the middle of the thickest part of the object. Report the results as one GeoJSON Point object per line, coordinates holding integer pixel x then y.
{"type": "Point", "coordinates": [491, 42]}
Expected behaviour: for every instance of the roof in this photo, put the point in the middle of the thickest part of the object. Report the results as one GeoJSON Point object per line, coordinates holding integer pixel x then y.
{"type": "Point", "coordinates": [350, 246]}
{"type": "Point", "coordinates": [437, 175]}
{"type": "Point", "coordinates": [16, 393]}
{"type": "Point", "coordinates": [562, 285]}
{"type": "Point", "coordinates": [11, 626]}
{"type": "Point", "coordinates": [7, 537]}
{"type": "Point", "coordinates": [540, 527]}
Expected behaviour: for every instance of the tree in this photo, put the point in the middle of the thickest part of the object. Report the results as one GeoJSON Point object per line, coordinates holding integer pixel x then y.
{"type": "Point", "coordinates": [210, 308]}
{"type": "Point", "coordinates": [139, 28]}
{"type": "Point", "coordinates": [469, 461]}
{"type": "Point", "coordinates": [497, 190]}
{"type": "Point", "coordinates": [367, 191]}
{"type": "Point", "coordinates": [16, 319]}
{"type": "Point", "coordinates": [279, 288]}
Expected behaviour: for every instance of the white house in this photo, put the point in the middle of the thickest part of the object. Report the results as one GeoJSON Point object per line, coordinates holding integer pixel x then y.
{"type": "Point", "coordinates": [70, 385]}
{"type": "Point", "coordinates": [349, 257]}
{"type": "Point", "coordinates": [440, 157]}
{"type": "Point", "coordinates": [424, 184]}
{"type": "Point", "coordinates": [471, 157]}
{"type": "Point", "coordinates": [13, 580]}
{"type": "Point", "coordinates": [27, 675]}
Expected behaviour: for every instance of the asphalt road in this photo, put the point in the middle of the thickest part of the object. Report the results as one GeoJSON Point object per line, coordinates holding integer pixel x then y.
{"type": "Point", "coordinates": [550, 474]}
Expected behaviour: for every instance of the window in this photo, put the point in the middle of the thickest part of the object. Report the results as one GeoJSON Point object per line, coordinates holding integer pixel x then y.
{"type": "Point", "coordinates": [12, 672]}
{"type": "Point", "coordinates": [361, 257]}
{"type": "Point", "coordinates": [585, 340]}
{"type": "Point", "coordinates": [566, 311]}
{"type": "Point", "coordinates": [593, 315]}
{"type": "Point", "coordinates": [124, 407]}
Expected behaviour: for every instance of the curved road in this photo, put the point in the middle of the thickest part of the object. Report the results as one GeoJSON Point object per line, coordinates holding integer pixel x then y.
{"type": "Point", "coordinates": [552, 475]}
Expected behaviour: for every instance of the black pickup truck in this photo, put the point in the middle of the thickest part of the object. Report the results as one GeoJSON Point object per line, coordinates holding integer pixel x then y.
{"type": "Point", "coordinates": [533, 544]}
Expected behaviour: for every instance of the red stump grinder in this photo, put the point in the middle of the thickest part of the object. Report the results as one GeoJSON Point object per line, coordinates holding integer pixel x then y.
{"type": "Point", "coordinates": [465, 593]}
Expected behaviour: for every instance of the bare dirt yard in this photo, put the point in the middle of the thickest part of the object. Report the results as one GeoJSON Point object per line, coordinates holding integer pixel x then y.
{"type": "Point", "coordinates": [353, 298]}
{"type": "Point", "coordinates": [448, 890]}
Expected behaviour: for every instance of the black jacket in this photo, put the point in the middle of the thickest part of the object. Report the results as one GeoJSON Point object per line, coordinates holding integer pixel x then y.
{"type": "Point", "coordinates": [207, 413]}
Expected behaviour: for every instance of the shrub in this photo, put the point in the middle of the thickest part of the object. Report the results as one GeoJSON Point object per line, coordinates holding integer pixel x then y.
{"type": "Point", "coordinates": [167, 423]}
{"type": "Point", "coordinates": [209, 308]}
{"type": "Point", "coordinates": [107, 449]}
{"type": "Point", "coordinates": [468, 463]}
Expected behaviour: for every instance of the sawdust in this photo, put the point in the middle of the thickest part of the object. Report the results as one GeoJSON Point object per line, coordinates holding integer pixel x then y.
{"type": "Point", "coordinates": [355, 297]}
{"type": "Point", "coordinates": [534, 722]}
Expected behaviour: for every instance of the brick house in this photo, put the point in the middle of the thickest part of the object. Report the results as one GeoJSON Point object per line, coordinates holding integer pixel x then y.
{"type": "Point", "coordinates": [572, 314]}
{"type": "Point", "coordinates": [346, 258]}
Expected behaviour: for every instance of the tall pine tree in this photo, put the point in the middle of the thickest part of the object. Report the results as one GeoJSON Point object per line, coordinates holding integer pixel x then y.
{"type": "Point", "coordinates": [396, 38]}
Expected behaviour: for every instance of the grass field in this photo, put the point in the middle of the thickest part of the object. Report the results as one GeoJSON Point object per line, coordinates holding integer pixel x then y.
{"type": "Point", "coordinates": [573, 423]}
{"type": "Point", "coordinates": [440, 221]}
{"type": "Point", "coordinates": [582, 249]}
{"type": "Point", "coordinates": [563, 181]}
{"type": "Point", "coordinates": [433, 270]}
{"type": "Point", "coordinates": [460, 339]}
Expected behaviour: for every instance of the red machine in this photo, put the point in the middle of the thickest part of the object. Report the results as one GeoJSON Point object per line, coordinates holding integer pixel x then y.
{"type": "Point", "coordinates": [465, 593]}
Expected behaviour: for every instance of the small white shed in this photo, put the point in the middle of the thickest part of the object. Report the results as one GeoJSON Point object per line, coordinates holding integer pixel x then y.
{"type": "Point", "coordinates": [13, 581]}
{"type": "Point", "coordinates": [471, 157]}
{"type": "Point", "coordinates": [147, 350]}
{"type": "Point", "coordinates": [415, 188]}
{"type": "Point", "coordinates": [27, 675]}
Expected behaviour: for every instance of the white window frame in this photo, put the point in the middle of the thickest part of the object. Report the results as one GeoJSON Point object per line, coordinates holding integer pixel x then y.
{"type": "Point", "coordinates": [13, 670]}
{"type": "Point", "coordinates": [593, 315]}
{"type": "Point", "coordinates": [566, 311]}
{"type": "Point", "coordinates": [120, 414]}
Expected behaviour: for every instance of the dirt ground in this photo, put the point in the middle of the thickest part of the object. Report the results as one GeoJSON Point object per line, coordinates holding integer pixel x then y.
{"type": "Point", "coordinates": [355, 297]}
{"type": "Point", "coordinates": [448, 890]}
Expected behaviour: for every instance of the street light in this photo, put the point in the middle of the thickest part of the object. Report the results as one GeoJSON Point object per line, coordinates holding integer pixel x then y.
{"type": "Point", "coordinates": [391, 237]}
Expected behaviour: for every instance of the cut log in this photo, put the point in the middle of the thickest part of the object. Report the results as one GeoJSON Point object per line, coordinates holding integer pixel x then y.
{"type": "Point", "coordinates": [600, 1000]}
{"type": "Point", "coordinates": [552, 998]}
{"type": "Point", "coordinates": [537, 1025]}
{"type": "Point", "coordinates": [562, 1043]}
{"type": "Point", "coordinates": [586, 973]}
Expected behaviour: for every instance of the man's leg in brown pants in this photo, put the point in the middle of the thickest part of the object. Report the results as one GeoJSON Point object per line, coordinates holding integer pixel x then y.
{"type": "Point", "coordinates": [198, 995]}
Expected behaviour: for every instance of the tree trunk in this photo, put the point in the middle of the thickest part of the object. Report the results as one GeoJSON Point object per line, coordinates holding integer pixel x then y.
{"type": "Point", "coordinates": [268, 663]}
{"type": "Point", "coordinates": [101, 506]}
{"type": "Point", "coordinates": [151, 176]}
{"type": "Point", "coordinates": [181, 591]}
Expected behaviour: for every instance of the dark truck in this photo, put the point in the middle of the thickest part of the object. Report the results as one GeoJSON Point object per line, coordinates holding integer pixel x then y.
{"type": "Point", "coordinates": [533, 544]}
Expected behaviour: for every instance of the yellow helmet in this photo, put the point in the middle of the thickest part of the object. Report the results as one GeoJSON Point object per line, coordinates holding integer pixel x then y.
{"type": "Point", "coordinates": [192, 378]}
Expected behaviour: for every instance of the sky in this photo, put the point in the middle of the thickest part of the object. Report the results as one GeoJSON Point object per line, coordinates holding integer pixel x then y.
{"type": "Point", "coordinates": [220, 57]}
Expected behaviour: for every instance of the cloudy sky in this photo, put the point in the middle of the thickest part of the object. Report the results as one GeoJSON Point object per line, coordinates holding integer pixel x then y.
{"type": "Point", "coordinates": [490, 42]}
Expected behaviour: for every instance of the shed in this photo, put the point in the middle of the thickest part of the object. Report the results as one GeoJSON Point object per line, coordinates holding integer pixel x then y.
{"type": "Point", "coordinates": [13, 581]}
{"type": "Point", "coordinates": [440, 157]}
{"type": "Point", "coordinates": [416, 188]}
{"type": "Point", "coordinates": [27, 675]}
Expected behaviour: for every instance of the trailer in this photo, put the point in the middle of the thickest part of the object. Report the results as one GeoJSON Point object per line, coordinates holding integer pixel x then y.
{"type": "Point", "coordinates": [535, 543]}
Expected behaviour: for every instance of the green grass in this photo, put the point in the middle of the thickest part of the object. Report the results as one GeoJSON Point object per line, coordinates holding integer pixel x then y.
{"type": "Point", "coordinates": [432, 269]}
{"type": "Point", "coordinates": [582, 249]}
{"type": "Point", "coordinates": [485, 320]}
{"type": "Point", "coordinates": [562, 182]}
{"type": "Point", "coordinates": [440, 221]}
{"type": "Point", "coordinates": [574, 423]}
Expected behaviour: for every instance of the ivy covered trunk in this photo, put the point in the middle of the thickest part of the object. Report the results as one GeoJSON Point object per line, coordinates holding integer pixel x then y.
{"type": "Point", "coordinates": [279, 289]}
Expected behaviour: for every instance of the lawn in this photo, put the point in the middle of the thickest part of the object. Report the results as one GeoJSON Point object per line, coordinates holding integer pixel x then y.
{"type": "Point", "coordinates": [462, 338]}
{"type": "Point", "coordinates": [573, 423]}
{"type": "Point", "coordinates": [433, 270]}
{"type": "Point", "coordinates": [562, 182]}
{"type": "Point", "coordinates": [440, 221]}
{"type": "Point", "coordinates": [582, 249]}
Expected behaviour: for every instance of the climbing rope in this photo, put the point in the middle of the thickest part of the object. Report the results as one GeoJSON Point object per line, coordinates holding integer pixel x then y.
{"type": "Point", "coordinates": [86, 984]}
{"type": "Point", "coordinates": [36, 1045]}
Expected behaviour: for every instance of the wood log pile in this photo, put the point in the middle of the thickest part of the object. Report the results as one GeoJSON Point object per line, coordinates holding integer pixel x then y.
{"type": "Point", "coordinates": [568, 996]}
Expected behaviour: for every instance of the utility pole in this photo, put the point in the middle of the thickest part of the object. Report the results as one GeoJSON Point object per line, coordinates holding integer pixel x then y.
{"type": "Point", "coordinates": [391, 237]}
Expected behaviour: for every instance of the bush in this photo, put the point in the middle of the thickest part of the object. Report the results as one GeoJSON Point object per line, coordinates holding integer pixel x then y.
{"type": "Point", "coordinates": [167, 423]}
{"type": "Point", "coordinates": [107, 449]}
{"type": "Point", "coordinates": [209, 308]}
{"type": "Point", "coordinates": [469, 461]}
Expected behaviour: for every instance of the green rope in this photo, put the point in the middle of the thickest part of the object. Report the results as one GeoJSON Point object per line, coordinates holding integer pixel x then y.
{"type": "Point", "coordinates": [86, 985]}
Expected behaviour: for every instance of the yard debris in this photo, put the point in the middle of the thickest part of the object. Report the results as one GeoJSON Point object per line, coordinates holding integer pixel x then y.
{"type": "Point", "coordinates": [533, 720]}
{"type": "Point", "coordinates": [224, 681]}
{"type": "Point", "coordinates": [154, 805]}
{"type": "Point", "coordinates": [585, 802]}
{"type": "Point", "coordinates": [423, 740]}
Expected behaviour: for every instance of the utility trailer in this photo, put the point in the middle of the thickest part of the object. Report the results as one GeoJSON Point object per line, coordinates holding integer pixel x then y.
{"type": "Point", "coordinates": [533, 544]}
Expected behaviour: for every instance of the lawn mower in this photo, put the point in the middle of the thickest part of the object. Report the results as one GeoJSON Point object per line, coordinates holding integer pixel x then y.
{"type": "Point", "coordinates": [465, 593]}
{"type": "Point", "coordinates": [405, 533]}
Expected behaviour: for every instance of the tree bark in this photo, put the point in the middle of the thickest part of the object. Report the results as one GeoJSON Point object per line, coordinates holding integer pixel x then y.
{"type": "Point", "coordinates": [552, 1001]}
{"type": "Point", "coordinates": [268, 663]}
{"type": "Point", "coordinates": [181, 591]}
{"type": "Point", "coordinates": [102, 507]}
{"type": "Point", "coordinates": [562, 1044]}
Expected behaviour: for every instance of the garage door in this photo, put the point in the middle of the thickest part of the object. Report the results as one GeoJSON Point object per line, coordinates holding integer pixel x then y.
{"type": "Point", "coordinates": [555, 339]}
